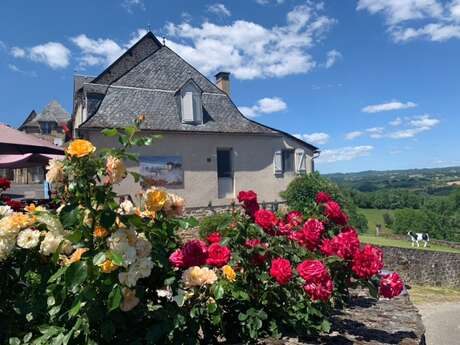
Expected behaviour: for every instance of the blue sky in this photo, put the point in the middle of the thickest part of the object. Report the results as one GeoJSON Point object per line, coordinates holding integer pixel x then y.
{"type": "Point", "coordinates": [374, 83]}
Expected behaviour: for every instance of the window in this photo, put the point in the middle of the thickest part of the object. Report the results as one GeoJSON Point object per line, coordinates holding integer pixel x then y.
{"type": "Point", "coordinates": [46, 127]}
{"type": "Point", "coordinates": [288, 160]}
{"type": "Point", "coordinates": [191, 105]}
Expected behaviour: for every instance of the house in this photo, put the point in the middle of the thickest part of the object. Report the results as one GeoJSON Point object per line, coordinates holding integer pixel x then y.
{"type": "Point", "coordinates": [51, 124]}
{"type": "Point", "coordinates": [208, 150]}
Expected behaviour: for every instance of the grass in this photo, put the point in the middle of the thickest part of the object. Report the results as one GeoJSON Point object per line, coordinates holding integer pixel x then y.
{"type": "Point", "coordinates": [429, 295]}
{"type": "Point", "coordinates": [390, 242]}
{"type": "Point", "coordinates": [375, 216]}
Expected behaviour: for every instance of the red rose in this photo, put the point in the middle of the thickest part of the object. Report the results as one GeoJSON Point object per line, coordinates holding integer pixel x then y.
{"type": "Point", "coordinates": [320, 291]}
{"type": "Point", "coordinates": [249, 200]}
{"type": "Point", "coordinates": [334, 213]}
{"type": "Point", "coordinates": [367, 262]}
{"type": "Point", "coordinates": [177, 259]}
{"type": "Point", "coordinates": [310, 234]}
{"type": "Point", "coordinates": [295, 218]}
{"type": "Point", "coordinates": [312, 270]}
{"type": "Point", "coordinates": [218, 255]}
{"type": "Point", "coordinates": [281, 270]}
{"type": "Point", "coordinates": [4, 183]}
{"type": "Point", "coordinates": [266, 219]}
{"type": "Point", "coordinates": [391, 285]}
{"type": "Point", "coordinates": [343, 245]}
{"type": "Point", "coordinates": [247, 196]}
{"type": "Point", "coordinates": [284, 229]}
{"type": "Point", "coordinates": [195, 253]}
{"type": "Point", "coordinates": [322, 197]}
{"type": "Point", "coordinates": [14, 204]}
{"type": "Point", "coordinates": [214, 237]}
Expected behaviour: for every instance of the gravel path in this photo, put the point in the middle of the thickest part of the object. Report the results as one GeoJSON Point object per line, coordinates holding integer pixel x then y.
{"type": "Point", "coordinates": [442, 323]}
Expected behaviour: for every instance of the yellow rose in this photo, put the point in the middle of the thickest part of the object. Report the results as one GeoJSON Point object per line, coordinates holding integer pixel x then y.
{"type": "Point", "coordinates": [100, 231]}
{"type": "Point", "coordinates": [229, 273]}
{"type": "Point", "coordinates": [75, 257]}
{"type": "Point", "coordinates": [155, 199]}
{"type": "Point", "coordinates": [80, 148]}
{"type": "Point", "coordinates": [197, 276]}
{"type": "Point", "coordinates": [116, 170]}
{"type": "Point", "coordinates": [108, 266]}
{"type": "Point", "coordinates": [15, 222]}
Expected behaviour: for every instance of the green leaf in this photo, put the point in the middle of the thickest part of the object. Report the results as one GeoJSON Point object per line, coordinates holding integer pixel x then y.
{"type": "Point", "coordinates": [76, 274]}
{"type": "Point", "coordinates": [130, 130]}
{"type": "Point", "coordinates": [75, 308]}
{"type": "Point", "coordinates": [27, 337]}
{"type": "Point", "coordinates": [114, 299]}
{"type": "Point", "coordinates": [58, 274]}
{"type": "Point", "coordinates": [69, 216]}
{"type": "Point", "coordinates": [109, 132]}
{"type": "Point", "coordinates": [51, 301]}
{"type": "Point", "coordinates": [14, 341]}
{"type": "Point", "coordinates": [54, 310]}
{"type": "Point", "coordinates": [218, 291]}
{"type": "Point", "coordinates": [212, 307]}
{"type": "Point", "coordinates": [99, 258]}
{"type": "Point", "coordinates": [75, 236]}
{"type": "Point", "coordinates": [169, 281]}
{"type": "Point", "coordinates": [116, 258]}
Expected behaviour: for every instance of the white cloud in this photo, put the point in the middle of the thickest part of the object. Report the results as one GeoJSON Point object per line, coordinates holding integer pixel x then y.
{"type": "Point", "coordinates": [16, 69]}
{"type": "Point", "coordinates": [394, 105]}
{"type": "Point", "coordinates": [332, 58]}
{"type": "Point", "coordinates": [434, 20]}
{"type": "Point", "coordinates": [264, 106]}
{"type": "Point", "coordinates": [318, 138]}
{"type": "Point", "coordinates": [3, 45]}
{"type": "Point", "coordinates": [344, 154]}
{"type": "Point", "coordinates": [131, 5]}
{"type": "Point", "coordinates": [250, 50]}
{"type": "Point", "coordinates": [18, 52]}
{"type": "Point", "coordinates": [53, 54]}
{"type": "Point", "coordinates": [354, 135]}
{"type": "Point", "coordinates": [219, 10]}
{"type": "Point", "coordinates": [396, 122]}
{"type": "Point", "coordinates": [409, 128]}
{"type": "Point", "coordinates": [102, 51]}
{"type": "Point", "coordinates": [265, 2]}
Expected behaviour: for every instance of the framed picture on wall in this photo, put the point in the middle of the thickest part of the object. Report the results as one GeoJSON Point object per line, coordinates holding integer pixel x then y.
{"type": "Point", "coordinates": [162, 171]}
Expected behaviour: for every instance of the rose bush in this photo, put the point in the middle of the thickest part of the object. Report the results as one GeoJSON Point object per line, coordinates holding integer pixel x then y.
{"type": "Point", "coordinates": [98, 270]}
{"type": "Point", "coordinates": [283, 273]}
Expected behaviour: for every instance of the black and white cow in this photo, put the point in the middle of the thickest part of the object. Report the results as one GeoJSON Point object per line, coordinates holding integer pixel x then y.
{"type": "Point", "coordinates": [416, 237]}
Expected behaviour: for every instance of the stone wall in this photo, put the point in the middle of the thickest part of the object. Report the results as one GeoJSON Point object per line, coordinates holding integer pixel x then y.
{"type": "Point", "coordinates": [424, 267]}
{"type": "Point", "coordinates": [200, 212]}
{"type": "Point", "coordinates": [369, 322]}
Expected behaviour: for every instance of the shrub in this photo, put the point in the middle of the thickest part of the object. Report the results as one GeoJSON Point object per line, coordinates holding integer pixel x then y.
{"type": "Point", "coordinates": [218, 222]}
{"type": "Point", "coordinates": [301, 192]}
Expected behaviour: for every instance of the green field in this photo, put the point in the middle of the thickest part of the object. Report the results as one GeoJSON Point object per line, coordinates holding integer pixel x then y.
{"type": "Point", "coordinates": [374, 217]}
{"type": "Point", "coordinates": [390, 242]}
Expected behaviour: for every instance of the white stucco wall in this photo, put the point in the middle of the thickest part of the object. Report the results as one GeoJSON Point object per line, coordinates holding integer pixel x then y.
{"type": "Point", "coordinates": [252, 164]}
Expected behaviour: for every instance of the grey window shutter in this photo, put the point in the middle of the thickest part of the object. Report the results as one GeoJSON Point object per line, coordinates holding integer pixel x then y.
{"type": "Point", "coordinates": [300, 161]}
{"type": "Point", "coordinates": [278, 162]}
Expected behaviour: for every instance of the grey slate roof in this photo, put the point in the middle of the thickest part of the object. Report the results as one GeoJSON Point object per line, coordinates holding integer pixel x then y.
{"type": "Point", "coordinates": [121, 105]}
{"type": "Point", "coordinates": [53, 112]}
{"type": "Point", "coordinates": [144, 80]}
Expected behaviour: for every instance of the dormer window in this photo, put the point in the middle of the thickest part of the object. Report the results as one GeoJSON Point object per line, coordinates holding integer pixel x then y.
{"type": "Point", "coordinates": [190, 103]}
{"type": "Point", "coordinates": [46, 127]}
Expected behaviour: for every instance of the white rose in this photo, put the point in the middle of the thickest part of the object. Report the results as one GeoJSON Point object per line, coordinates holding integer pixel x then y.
{"type": "Point", "coordinates": [5, 211]}
{"type": "Point", "coordinates": [51, 242]}
{"type": "Point", "coordinates": [6, 246]}
{"type": "Point", "coordinates": [28, 238]}
{"type": "Point", "coordinates": [127, 207]}
{"type": "Point", "coordinates": [143, 246]}
{"type": "Point", "coordinates": [128, 278]}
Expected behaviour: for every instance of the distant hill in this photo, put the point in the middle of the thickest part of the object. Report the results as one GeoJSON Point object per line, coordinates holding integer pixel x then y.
{"type": "Point", "coordinates": [429, 178]}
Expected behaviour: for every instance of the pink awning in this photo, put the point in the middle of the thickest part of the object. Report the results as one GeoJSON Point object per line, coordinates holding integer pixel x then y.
{"type": "Point", "coordinates": [13, 141]}
{"type": "Point", "coordinates": [26, 160]}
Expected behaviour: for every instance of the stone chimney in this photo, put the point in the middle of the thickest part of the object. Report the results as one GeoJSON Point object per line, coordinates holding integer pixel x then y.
{"type": "Point", "coordinates": [223, 81]}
